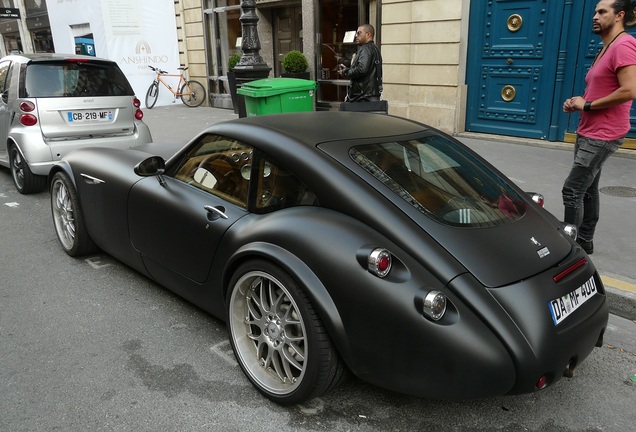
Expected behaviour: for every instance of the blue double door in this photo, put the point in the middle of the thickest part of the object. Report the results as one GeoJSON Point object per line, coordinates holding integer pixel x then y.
{"type": "Point", "coordinates": [525, 57]}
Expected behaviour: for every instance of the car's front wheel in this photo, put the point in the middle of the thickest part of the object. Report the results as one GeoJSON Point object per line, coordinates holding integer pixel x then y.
{"type": "Point", "coordinates": [24, 180]}
{"type": "Point", "coordinates": [278, 338]}
{"type": "Point", "coordinates": [68, 217]}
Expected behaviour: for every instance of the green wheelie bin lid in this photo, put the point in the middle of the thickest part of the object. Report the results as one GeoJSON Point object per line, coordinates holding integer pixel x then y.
{"type": "Point", "coordinates": [278, 95]}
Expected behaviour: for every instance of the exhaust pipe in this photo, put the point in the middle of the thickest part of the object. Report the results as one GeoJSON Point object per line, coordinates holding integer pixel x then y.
{"type": "Point", "coordinates": [569, 369]}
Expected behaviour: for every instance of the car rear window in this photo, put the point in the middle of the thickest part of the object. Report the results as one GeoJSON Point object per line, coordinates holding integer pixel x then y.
{"type": "Point", "coordinates": [73, 79]}
{"type": "Point", "coordinates": [442, 180]}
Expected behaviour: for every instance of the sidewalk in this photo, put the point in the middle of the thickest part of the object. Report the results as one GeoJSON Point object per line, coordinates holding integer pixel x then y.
{"type": "Point", "coordinates": [537, 166]}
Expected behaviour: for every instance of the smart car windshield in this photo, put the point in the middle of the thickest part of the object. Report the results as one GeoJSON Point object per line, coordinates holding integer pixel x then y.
{"type": "Point", "coordinates": [442, 180]}
{"type": "Point", "coordinates": [72, 79]}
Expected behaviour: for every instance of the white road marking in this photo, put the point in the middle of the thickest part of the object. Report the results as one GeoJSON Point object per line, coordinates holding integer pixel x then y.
{"type": "Point", "coordinates": [224, 350]}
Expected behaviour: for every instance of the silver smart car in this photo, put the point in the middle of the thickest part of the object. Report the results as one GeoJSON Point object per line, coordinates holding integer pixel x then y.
{"type": "Point", "coordinates": [53, 103]}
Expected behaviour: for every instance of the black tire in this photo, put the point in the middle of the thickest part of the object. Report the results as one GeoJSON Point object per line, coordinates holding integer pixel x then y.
{"type": "Point", "coordinates": [24, 180]}
{"type": "Point", "coordinates": [152, 94]}
{"type": "Point", "coordinates": [68, 218]}
{"type": "Point", "coordinates": [197, 95]}
{"type": "Point", "coordinates": [278, 338]}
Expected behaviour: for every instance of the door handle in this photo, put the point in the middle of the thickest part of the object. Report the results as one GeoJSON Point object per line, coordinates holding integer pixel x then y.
{"type": "Point", "coordinates": [216, 212]}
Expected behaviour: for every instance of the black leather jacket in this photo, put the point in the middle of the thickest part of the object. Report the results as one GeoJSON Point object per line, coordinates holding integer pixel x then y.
{"type": "Point", "coordinates": [365, 74]}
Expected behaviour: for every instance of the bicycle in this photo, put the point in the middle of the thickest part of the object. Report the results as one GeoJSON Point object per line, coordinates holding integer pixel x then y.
{"type": "Point", "coordinates": [191, 92]}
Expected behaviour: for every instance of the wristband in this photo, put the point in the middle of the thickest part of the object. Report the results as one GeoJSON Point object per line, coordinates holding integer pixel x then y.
{"type": "Point", "coordinates": [587, 106]}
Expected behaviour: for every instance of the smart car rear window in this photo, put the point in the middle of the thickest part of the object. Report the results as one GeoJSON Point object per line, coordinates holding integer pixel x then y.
{"type": "Point", "coordinates": [442, 180]}
{"type": "Point", "coordinates": [74, 79]}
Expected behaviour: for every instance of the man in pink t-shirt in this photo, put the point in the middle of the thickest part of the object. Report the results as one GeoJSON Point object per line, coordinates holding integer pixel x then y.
{"type": "Point", "coordinates": [605, 106]}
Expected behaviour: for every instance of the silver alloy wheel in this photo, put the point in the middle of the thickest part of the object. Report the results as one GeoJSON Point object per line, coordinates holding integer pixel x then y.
{"type": "Point", "coordinates": [63, 214]}
{"type": "Point", "coordinates": [17, 167]}
{"type": "Point", "coordinates": [269, 333]}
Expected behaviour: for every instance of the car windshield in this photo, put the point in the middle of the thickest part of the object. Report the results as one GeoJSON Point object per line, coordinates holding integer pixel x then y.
{"type": "Point", "coordinates": [72, 79]}
{"type": "Point", "coordinates": [442, 180]}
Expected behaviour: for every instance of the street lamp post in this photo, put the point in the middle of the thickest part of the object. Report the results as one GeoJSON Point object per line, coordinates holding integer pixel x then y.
{"type": "Point", "coordinates": [251, 66]}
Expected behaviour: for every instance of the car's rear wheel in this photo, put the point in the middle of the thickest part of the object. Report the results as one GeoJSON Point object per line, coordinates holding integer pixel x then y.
{"type": "Point", "coordinates": [152, 94]}
{"type": "Point", "coordinates": [193, 93]}
{"type": "Point", "coordinates": [24, 180]}
{"type": "Point", "coordinates": [278, 338]}
{"type": "Point", "coordinates": [68, 217]}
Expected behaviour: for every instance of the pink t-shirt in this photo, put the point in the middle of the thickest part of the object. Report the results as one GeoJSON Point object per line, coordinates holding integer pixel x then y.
{"type": "Point", "coordinates": [611, 123]}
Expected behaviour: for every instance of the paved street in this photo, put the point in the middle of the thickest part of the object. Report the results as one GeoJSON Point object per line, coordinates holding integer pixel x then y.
{"type": "Point", "coordinates": [89, 344]}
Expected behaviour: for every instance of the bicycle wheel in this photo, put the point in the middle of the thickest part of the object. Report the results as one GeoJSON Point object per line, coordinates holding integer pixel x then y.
{"type": "Point", "coordinates": [152, 94]}
{"type": "Point", "coordinates": [193, 93]}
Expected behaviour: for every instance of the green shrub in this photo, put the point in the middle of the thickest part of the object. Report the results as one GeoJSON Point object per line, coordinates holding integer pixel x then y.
{"type": "Point", "coordinates": [295, 62]}
{"type": "Point", "coordinates": [234, 59]}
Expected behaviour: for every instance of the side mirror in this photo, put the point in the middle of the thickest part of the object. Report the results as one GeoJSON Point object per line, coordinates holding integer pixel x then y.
{"type": "Point", "coordinates": [154, 165]}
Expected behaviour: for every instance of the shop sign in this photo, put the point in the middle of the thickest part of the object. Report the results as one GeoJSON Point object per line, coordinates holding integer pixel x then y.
{"type": "Point", "coordinates": [10, 13]}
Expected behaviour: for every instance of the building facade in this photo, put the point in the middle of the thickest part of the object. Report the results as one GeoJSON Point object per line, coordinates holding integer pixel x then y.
{"type": "Point", "coordinates": [499, 66]}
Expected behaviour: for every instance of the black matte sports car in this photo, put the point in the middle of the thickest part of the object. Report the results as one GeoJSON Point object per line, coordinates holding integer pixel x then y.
{"type": "Point", "coordinates": [335, 241]}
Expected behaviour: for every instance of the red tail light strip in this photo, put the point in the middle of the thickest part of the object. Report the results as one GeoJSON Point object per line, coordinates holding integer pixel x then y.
{"type": "Point", "coordinates": [564, 273]}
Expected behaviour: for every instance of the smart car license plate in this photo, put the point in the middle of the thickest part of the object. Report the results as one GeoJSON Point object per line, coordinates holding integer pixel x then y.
{"type": "Point", "coordinates": [562, 307]}
{"type": "Point", "coordinates": [91, 116]}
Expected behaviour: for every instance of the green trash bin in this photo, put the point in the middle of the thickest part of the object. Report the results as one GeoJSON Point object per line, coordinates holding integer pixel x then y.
{"type": "Point", "coordinates": [277, 96]}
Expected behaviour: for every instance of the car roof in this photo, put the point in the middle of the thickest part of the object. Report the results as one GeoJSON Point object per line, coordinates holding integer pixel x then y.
{"type": "Point", "coordinates": [44, 57]}
{"type": "Point", "coordinates": [317, 127]}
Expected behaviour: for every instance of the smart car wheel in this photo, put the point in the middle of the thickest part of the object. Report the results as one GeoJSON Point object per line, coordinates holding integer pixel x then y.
{"type": "Point", "coordinates": [68, 218]}
{"type": "Point", "coordinates": [278, 339]}
{"type": "Point", "coordinates": [24, 180]}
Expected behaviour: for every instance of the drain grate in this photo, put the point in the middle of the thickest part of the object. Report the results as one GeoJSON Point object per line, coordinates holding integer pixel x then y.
{"type": "Point", "coordinates": [619, 191]}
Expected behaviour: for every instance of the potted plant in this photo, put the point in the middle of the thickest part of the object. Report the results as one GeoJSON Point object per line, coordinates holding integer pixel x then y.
{"type": "Point", "coordinates": [295, 65]}
{"type": "Point", "coordinates": [231, 79]}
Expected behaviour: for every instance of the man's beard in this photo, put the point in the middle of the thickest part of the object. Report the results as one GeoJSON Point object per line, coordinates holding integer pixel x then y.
{"type": "Point", "coordinates": [599, 29]}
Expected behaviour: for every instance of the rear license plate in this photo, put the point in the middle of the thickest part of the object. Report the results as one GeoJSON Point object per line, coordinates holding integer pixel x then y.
{"type": "Point", "coordinates": [563, 307]}
{"type": "Point", "coordinates": [92, 116]}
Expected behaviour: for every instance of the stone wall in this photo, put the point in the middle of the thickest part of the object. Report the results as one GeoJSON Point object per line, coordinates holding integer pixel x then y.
{"type": "Point", "coordinates": [422, 51]}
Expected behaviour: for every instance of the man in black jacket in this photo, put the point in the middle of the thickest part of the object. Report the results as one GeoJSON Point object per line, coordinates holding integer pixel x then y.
{"type": "Point", "coordinates": [365, 72]}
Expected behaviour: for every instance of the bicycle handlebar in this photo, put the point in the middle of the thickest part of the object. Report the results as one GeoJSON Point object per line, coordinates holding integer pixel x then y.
{"type": "Point", "coordinates": [163, 72]}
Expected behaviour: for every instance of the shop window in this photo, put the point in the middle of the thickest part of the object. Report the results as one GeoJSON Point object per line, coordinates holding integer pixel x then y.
{"type": "Point", "coordinates": [223, 38]}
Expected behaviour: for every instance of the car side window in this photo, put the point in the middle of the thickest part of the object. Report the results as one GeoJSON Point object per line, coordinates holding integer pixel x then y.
{"type": "Point", "coordinates": [218, 165]}
{"type": "Point", "coordinates": [277, 188]}
{"type": "Point", "coordinates": [231, 170]}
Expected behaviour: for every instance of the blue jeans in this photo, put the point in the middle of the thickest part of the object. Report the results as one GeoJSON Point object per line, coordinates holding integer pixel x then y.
{"type": "Point", "coordinates": [580, 190]}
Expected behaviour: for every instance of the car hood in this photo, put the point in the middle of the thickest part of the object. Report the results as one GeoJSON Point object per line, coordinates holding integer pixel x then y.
{"type": "Point", "coordinates": [502, 255]}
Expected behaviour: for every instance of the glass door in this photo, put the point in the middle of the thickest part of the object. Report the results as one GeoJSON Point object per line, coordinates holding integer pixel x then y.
{"type": "Point", "coordinates": [335, 18]}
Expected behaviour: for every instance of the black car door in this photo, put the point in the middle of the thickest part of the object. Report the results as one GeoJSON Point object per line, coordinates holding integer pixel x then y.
{"type": "Point", "coordinates": [178, 222]}
{"type": "Point", "coordinates": [178, 226]}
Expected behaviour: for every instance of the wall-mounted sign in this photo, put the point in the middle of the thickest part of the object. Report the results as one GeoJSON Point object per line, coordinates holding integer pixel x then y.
{"type": "Point", "coordinates": [10, 13]}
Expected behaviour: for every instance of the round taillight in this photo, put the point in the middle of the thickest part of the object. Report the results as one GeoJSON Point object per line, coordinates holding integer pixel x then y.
{"type": "Point", "coordinates": [139, 114]}
{"type": "Point", "coordinates": [28, 120]}
{"type": "Point", "coordinates": [136, 103]}
{"type": "Point", "coordinates": [539, 199]}
{"type": "Point", "coordinates": [542, 382]}
{"type": "Point", "coordinates": [435, 305]}
{"type": "Point", "coordinates": [27, 106]}
{"type": "Point", "coordinates": [380, 262]}
{"type": "Point", "coordinates": [571, 231]}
